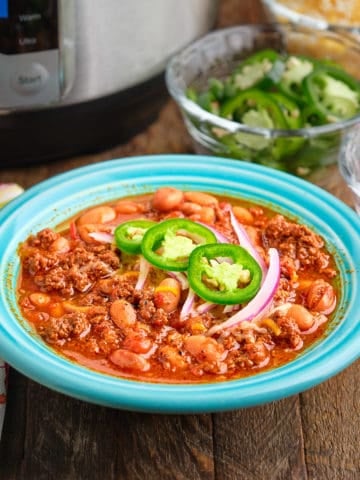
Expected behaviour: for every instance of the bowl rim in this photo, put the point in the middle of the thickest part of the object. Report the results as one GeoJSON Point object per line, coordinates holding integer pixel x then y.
{"type": "Point", "coordinates": [299, 18]}
{"type": "Point", "coordinates": [85, 185]}
{"type": "Point", "coordinates": [348, 156]}
{"type": "Point", "coordinates": [193, 109]}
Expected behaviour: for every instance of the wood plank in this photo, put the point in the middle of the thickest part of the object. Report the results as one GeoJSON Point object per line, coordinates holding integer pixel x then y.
{"type": "Point", "coordinates": [69, 439]}
{"type": "Point", "coordinates": [13, 437]}
{"type": "Point", "coordinates": [264, 443]}
{"type": "Point", "coordinates": [236, 12]}
{"type": "Point", "coordinates": [331, 421]}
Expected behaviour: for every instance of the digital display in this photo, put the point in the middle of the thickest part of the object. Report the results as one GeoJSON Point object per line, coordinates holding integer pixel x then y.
{"type": "Point", "coordinates": [4, 9]}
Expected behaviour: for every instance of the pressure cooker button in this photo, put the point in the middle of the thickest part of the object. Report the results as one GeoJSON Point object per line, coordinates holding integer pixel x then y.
{"type": "Point", "coordinates": [30, 80]}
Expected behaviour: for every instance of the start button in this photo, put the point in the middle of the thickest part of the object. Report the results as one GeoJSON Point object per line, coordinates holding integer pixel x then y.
{"type": "Point", "coordinates": [30, 80]}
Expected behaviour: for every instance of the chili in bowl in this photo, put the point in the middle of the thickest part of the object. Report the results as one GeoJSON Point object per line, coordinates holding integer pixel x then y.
{"type": "Point", "coordinates": [187, 291]}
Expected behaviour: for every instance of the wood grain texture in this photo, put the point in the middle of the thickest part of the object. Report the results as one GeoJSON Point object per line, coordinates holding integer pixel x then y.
{"type": "Point", "coordinates": [331, 423]}
{"type": "Point", "coordinates": [260, 443]}
{"type": "Point", "coordinates": [62, 438]}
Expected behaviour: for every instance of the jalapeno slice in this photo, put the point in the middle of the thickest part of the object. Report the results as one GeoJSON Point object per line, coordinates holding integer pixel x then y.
{"type": "Point", "coordinates": [168, 244]}
{"type": "Point", "coordinates": [257, 109]}
{"type": "Point", "coordinates": [332, 93]}
{"type": "Point", "coordinates": [253, 100]}
{"type": "Point", "coordinates": [289, 108]}
{"type": "Point", "coordinates": [297, 68]}
{"type": "Point", "coordinates": [129, 235]}
{"type": "Point", "coordinates": [224, 273]}
{"type": "Point", "coordinates": [262, 70]}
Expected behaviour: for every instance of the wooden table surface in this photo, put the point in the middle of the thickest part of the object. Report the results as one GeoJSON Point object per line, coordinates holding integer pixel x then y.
{"type": "Point", "coordinates": [314, 435]}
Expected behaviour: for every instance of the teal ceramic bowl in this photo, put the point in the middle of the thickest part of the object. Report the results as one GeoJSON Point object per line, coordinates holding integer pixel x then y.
{"type": "Point", "coordinates": [53, 201]}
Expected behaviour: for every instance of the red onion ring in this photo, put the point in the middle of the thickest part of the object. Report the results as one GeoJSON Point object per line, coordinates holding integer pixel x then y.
{"type": "Point", "coordinates": [262, 300]}
{"type": "Point", "coordinates": [244, 239]}
{"type": "Point", "coordinates": [102, 237]}
{"type": "Point", "coordinates": [230, 308]}
{"type": "Point", "coordinates": [205, 307]}
{"type": "Point", "coordinates": [220, 237]}
{"type": "Point", "coordinates": [144, 271]}
{"type": "Point", "coordinates": [188, 304]}
{"type": "Point", "coordinates": [319, 320]}
{"type": "Point", "coordinates": [330, 309]}
{"type": "Point", "coordinates": [181, 278]}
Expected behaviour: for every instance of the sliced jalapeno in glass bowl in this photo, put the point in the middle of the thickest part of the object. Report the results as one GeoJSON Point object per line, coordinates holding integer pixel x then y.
{"type": "Point", "coordinates": [332, 93]}
{"type": "Point", "coordinates": [263, 69]}
{"type": "Point", "coordinates": [243, 71]}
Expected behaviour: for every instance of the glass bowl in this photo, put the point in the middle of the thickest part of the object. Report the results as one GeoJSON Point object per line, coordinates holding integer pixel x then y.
{"type": "Point", "coordinates": [349, 164]}
{"type": "Point", "coordinates": [318, 14]}
{"type": "Point", "coordinates": [217, 54]}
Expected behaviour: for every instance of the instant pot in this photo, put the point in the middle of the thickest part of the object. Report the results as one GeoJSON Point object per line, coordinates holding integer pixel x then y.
{"type": "Point", "coordinates": [78, 76]}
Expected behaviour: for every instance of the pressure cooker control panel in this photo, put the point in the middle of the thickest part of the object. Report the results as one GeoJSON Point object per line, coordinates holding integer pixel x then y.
{"type": "Point", "coordinates": [29, 53]}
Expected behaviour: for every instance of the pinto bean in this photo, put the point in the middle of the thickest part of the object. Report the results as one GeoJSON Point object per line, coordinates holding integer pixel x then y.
{"type": "Point", "coordinates": [321, 297]}
{"type": "Point", "coordinates": [301, 316]}
{"type": "Point", "coordinates": [84, 232]}
{"type": "Point", "coordinates": [137, 342]}
{"type": "Point", "coordinates": [39, 299]}
{"type": "Point", "coordinates": [243, 215]}
{"type": "Point", "coordinates": [204, 348]}
{"type": "Point", "coordinates": [207, 215]}
{"type": "Point", "coordinates": [167, 294]}
{"type": "Point", "coordinates": [171, 358]}
{"type": "Point", "coordinates": [257, 352]}
{"type": "Point", "coordinates": [190, 208]}
{"type": "Point", "coordinates": [60, 245]}
{"type": "Point", "coordinates": [122, 313]}
{"type": "Point", "coordinates": [71, 307]}
{"type": "Point", "coordinates": [128, 206]}
{"type": "Point", "coordinates": [203, 199]}
{"type": "Point", "coordinates": [102, 214]}
{"type": "Point", "coordinates": [56, 309]}
{"type": "Point", "coordinates": [129, 360]}
{"type": "Point", "coordinates": [254, 236]}
{"type": "Point", "coordinates": [167, 198]}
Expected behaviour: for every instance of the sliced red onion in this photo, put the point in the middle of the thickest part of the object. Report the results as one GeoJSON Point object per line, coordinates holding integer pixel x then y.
{"type": "Point", "coordinates": [263, 363]}
{"type": "Point", "coordinates": [188, 304]}
{"type": "Point", "coordinates": [181, 278]}
{"type": "Point", "coordinates": [331, 308]}
{"type": "Point", "coordinates": [281, 308]}
{"type": "Point", "coordinates": [150, 352]}
{"type": "Point", "coordinates": [244, 239]}
{"type": "Point", "coordinates": [85, 332]}
{"type": "Point", "coordinates": [262, 300]}
{"type": "Point", "coordinates": [193, 236]}
{"type": "Point", "coordinates": [219, 236]}
{"type": "Point", "coordinates": [318, 320]}
{"type": "Point", "coordinates": [102, 237]}
{"type": "Point", "coordinates": [230, 308]}
{"type": "Point", "coordinates": [298, 347]}
{"type": "Point", "coordinates": [143, 273]}
{"type": "Point", "coordinates": [205, 307]}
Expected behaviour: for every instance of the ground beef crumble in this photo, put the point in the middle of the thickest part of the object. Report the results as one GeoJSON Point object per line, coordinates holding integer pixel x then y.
{"type": "Point", "coordinates": [68, 326]}
{"type": "Point", "coordinates": [70, 272]}
{"type": "Point", "coordinates": [297, 243]}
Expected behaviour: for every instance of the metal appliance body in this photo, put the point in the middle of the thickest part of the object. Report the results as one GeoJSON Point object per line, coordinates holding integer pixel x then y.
{"type": "Point", "coordinates": [79, 75]}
